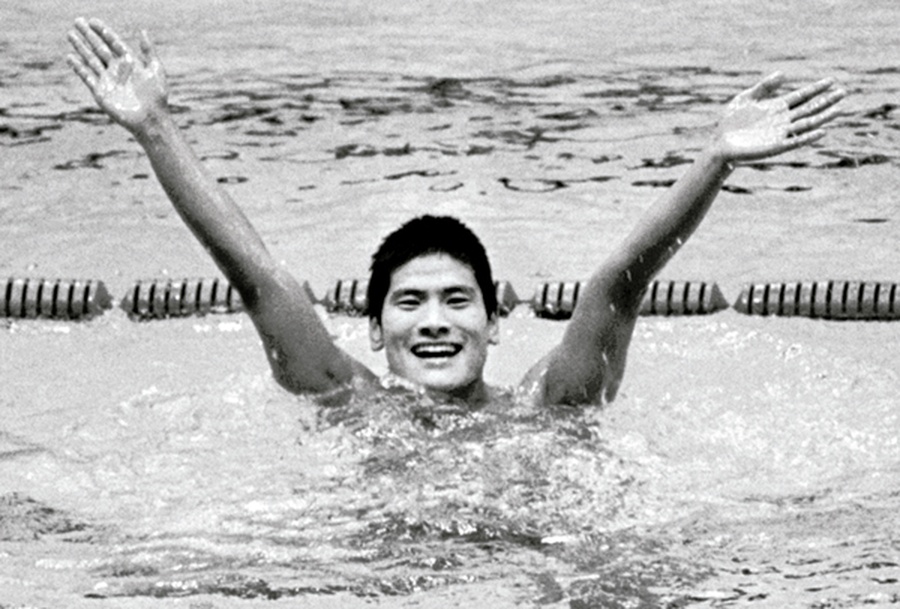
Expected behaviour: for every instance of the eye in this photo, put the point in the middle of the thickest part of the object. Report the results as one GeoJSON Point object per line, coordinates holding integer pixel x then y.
{"type": "Point", "coordinates": [407, 302]}
{"type": "Point", "coordinates": [459, 300]}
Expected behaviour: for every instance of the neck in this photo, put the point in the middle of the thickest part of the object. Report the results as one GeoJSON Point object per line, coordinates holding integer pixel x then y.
{"type": "Point", "coordinates": [475, 394]}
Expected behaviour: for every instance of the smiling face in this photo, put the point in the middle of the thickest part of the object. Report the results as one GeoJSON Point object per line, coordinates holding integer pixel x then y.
{"type": "Point", "coordinates": [434, 327]}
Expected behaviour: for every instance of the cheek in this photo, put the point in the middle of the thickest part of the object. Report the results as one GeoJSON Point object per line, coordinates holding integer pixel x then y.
{"type": "Point", "coordinates": [396, 329]}
{"type": "Point", "coordinates": [476, 325]}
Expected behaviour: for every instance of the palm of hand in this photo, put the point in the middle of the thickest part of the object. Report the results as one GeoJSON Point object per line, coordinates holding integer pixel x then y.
{"type": "Point", "coordinates": [127, 90]}
{"type": "Point", "coordinates": [751, 129]}
{"type": "Point", "coordinates": [756, 125]}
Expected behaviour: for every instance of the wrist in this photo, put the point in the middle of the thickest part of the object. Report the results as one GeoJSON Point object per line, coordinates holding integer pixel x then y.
{"type": "Point", "coordinates": [152, 127]}
{"type": "Point", "coordinates": [720, 162]}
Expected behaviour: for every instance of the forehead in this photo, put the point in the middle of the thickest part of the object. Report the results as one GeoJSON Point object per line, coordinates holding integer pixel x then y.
{"type": "Point", "coordinates": [431, 272]}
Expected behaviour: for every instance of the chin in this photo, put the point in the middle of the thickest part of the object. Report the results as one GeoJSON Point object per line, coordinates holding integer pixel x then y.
{"type": "Point", "coordinates": [460, 379]}
{"type": "Point", "coordinates": [449, 385]}
{"type": "Point", "coordinates": [460, 387]}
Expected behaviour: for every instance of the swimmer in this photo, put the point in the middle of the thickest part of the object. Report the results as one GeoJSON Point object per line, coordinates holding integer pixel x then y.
{"type": "Point", "coordinates": [432, 307]}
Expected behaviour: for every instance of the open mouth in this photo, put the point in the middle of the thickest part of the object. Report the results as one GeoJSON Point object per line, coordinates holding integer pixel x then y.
{"type": "Point", "coordinates": [436, 350]}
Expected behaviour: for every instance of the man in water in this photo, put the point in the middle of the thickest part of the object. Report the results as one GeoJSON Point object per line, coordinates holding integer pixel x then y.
{"type": "Point", "coordinates": [431, 302]}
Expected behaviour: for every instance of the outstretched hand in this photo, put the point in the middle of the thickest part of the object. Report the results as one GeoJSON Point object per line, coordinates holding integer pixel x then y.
{"type": "Point", "coordinates": [756, 125]}
{"type": "Point", "coordinates": [129, 87]}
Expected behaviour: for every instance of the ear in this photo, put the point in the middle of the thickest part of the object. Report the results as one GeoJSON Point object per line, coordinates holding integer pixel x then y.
{"type": "Point", "coordinates": [376, 336]}
{"type": "Point", "coordinates": [494, 330]}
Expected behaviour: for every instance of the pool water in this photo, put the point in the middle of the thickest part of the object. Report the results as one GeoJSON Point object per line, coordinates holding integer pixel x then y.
{"type": "Point", "coordinates": [748, 461]}
{"type": "Point", "coordinates": [778, 486]}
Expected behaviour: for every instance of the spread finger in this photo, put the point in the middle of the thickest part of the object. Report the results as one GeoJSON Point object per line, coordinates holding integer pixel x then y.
{"type": "Point", "coordinates": [814, 122]}
{"type": "Point", "coordinates": [87, 54]}
{"type": "Point", "coordinates": [112, 40]}
{"type": "Point", "coordinates": [817, 104]}
{"type": "Point", "coordinates": [86, 75]}
{"type": "Point", "coordinates": [805, 94]}
{"type": "Point", "coordinates": [100, 48]}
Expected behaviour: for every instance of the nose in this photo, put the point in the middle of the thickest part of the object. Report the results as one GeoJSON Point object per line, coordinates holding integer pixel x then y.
{"type": "Point", "coordinates": [433, 323]}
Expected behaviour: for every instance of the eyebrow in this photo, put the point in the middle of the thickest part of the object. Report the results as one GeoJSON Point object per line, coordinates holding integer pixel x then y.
{"type": "Point", "coordinates": [446, 291]}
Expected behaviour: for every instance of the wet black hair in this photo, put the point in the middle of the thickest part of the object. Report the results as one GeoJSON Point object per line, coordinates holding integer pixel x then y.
{"type": "Point", "coordinates": [422, 236]}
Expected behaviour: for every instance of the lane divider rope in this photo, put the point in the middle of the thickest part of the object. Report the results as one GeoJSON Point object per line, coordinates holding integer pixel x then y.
{"type": "Point", "coordinates": [53, 298]}
{"type": "Point", "coordinates": [162, 298]}
{"type": "Point", "coordinates": [83, 299]}
{"type": "Point", "coordinates": [863, 300]}
{"type": "Point", "coordinates": [557, 300]}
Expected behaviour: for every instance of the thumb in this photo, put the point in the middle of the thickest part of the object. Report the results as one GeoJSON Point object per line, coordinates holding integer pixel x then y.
{"type": "Point", "coordinates": [147, 48]}
{"type": "Point", "coordinates": [766, 86]}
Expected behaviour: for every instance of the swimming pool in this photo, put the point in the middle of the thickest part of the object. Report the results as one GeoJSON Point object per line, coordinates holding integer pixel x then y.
{"type": "Point", "coordinates": [178, 468]}
{"type": "Point", "coordinates": [747, 462]}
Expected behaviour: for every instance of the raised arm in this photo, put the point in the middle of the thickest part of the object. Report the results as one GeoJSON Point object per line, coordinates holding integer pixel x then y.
{"type": "Point", "coordinates": [131, 88]}
{"type": "Point", "coordinates": [587, 366]}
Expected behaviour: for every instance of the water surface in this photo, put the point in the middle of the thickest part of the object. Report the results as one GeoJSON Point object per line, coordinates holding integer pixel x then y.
{"type": "Point", "coordinates": [747, 462]}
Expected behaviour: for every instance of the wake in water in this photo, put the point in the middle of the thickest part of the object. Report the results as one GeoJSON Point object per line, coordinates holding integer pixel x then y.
{"type": "Point", "coordinates": [238, 490]}
{"type": "Point", "coordinates": [416, 496]}
{"type": "Point", "coordinates": [386, 497]}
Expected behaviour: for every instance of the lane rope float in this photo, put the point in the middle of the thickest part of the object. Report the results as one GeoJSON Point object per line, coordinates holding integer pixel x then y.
{"type": "Point", "coordinates": [862, 300]}
{"type": "Point", "coordinates": [557, 300]}
{"type": "Point", "coordinates": [77, 299]}
{"type": "Point", "coordinates": [162, 298]}
{"type": "Point", "coordinates": [683, 298]}
{"type": "Point", "coordinates": [346, 296]}
{"type": "Point", "coordinates": [53, 298]}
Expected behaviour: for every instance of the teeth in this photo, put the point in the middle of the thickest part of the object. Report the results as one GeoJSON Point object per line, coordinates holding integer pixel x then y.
{"type": "Point", "coordinates": [435, 350]}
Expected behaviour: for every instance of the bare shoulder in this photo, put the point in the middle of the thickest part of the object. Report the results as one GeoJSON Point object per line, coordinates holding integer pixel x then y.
{"type": "Point", "coordinates": [363, 383]}
{"type": "Point", "coordinates": [364, 380]}
{"type": "Point", "coordinates": [532, 388]}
